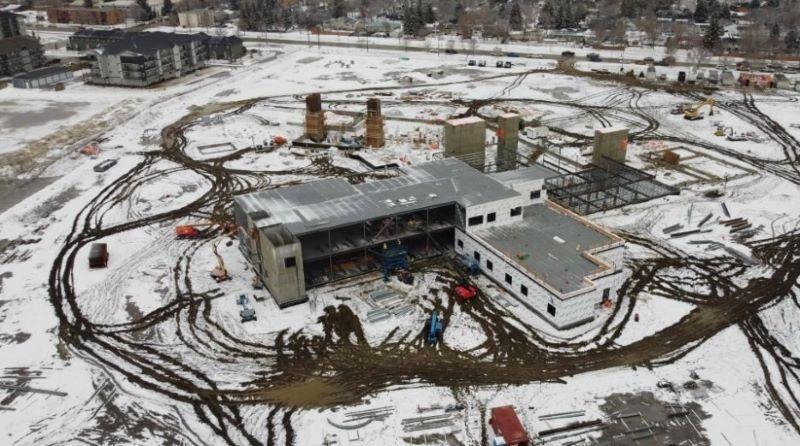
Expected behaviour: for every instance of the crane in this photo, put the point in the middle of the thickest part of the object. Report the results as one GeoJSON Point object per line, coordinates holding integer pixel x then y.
{"type": "Point", "coordinates": [219, 273]}
{"type": "Point", "coordinates": [693, 113]}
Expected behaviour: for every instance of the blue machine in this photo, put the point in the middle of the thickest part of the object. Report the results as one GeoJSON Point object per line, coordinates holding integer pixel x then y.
{"type": "Point", "coordinates": [469, 264]}
{"type": "Point", "coordinates": [394, 257]}
{"type": "Point", "coordinates": [434, 329]}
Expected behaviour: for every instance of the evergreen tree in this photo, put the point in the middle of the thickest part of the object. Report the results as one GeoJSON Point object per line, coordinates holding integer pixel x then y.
{"type": "Point", "coordinates": [515, 19]}
{"type": "Point", "coordinates": [701, 12]}
{"type": "Point", "coordinates": [88, 3]}
{"type": "Point", "coordinates": [166, 9]}
{"type": "Point", "coordinates": [412, 22]}
{"type": "Point", "coordinates": [339, 9]}
{"type": "Point", "coordinates": [713, 35]}
{"type": "Point", "coordinates": [628, 8]}
{"type": "Point", "coordinates": [457, 12]}
{"type": "Point", "coordinates": [430, 15]}
{"type": "Point", "coordinates": [775, 32]}
{"type": "Point", "coordinates": [792, 40]}
{"type": "Point", "coordinates": [147, 11]}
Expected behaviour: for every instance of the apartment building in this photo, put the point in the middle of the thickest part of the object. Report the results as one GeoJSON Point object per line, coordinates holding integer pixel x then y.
{"type": "Point", "coordinates": [19, 54]}
{"type": "Point", "coordinates": [144, 59]}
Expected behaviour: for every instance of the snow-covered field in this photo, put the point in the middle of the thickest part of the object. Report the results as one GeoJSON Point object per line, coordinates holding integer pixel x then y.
{"type": "Point", "coordinates": [160, 347]}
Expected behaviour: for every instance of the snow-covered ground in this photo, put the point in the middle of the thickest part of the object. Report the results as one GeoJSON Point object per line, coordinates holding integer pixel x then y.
{"type": "Point", "coordinates": [104, 405]}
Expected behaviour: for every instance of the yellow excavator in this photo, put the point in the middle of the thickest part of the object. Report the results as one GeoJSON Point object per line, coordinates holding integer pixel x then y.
{"type": "Point", "coordinates": [692, 113]}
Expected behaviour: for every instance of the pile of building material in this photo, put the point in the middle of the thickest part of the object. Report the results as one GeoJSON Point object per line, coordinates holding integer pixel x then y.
{"type": "Point", "coordinates": [416, 424]}
{"type": "Point", "coordinates": [361, 418]}
{"type": "Point", "coordinates": [386, 302]}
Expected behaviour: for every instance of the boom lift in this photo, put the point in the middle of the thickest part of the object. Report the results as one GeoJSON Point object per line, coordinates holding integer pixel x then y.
{"type": "Point", "coordinates": [693, 113]}
{"type": "Point", "coordinates": [219, 273]}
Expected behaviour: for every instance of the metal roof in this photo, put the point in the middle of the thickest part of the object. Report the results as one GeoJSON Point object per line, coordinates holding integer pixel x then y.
{"type": "Point", "coordinates": [550, 245]}
{"type": "Point", "coordinates": [41, 72]}
{"type": "Point", "coordinates": [324, 204]}
{"type": "Point", "coordinates": [149, 42]}
{"type": "Point", "coordinates": [531, 173]}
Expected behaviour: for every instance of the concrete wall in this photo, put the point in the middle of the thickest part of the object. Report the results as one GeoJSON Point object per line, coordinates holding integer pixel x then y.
{"type": "Point", "coordinates": [501, 210]}
{"type": "Point", "coordinates": [525, 188]}
{"type": "Point", "coordinates": [286, 284]}
{"type": "Point", "coordinates": [610, 143]}
{"type": "Point", "coordinates": [466, 137]}
{"type": "Point", "coordinates": [507, 140]}
{"type": "Point", "coordinates": [580, 307]}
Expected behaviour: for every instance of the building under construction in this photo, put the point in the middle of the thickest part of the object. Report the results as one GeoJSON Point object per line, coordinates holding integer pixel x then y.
{"type": "Point", "coordinates": [315, 118]}
{"type": "Point", "coordinates": [554, 262]}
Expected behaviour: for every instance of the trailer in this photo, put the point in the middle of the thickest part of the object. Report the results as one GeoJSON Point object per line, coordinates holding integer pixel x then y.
{"type": "Point", "coordinates": [98, 255]}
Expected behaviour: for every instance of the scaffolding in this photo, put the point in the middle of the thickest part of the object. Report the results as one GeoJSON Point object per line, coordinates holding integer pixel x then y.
{"type": "Point", "coordinates": [601, 189]}
{"type": "Point", "coordinates": [339, 253]}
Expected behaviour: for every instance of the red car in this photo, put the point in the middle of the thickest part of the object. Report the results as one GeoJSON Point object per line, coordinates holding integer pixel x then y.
{"type": "Point", "coordinates": [466, 292]}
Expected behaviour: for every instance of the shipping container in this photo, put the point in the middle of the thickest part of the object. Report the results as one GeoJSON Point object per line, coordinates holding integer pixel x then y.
{"type": "Point", "coordinates": [506, 424]}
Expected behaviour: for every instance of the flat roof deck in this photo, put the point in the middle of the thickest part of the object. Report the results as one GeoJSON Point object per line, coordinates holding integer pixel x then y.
{"type": "Point", "coordinates": [530, 173]}
{"type": "Point", "coordinates": [326, 204]}
{"type": "Point", "coordinates": [549, 245]}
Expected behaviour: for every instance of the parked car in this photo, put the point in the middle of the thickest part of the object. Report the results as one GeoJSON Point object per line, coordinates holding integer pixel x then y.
{"type": "Point", "coordinates": [568, 53]}
{"type": "Point", "coordinates": [594, 57]}
{"type": "Point", "coordinates": [507, 64]}
{"type": "Point", "coordinates": [482, 63]}
{"type": "Point", "coordinates": [499, 64]}
{"type": "Point", "coordinates": [105, 165]}
{"type": "Point", "coordinates": [471, 63]}
{"type": "Point", "coordinates": [512, 54]}
{"type": "Point", "coordinates": [648, 60]}
{"type": "Point", "coordinates": [450, 51]}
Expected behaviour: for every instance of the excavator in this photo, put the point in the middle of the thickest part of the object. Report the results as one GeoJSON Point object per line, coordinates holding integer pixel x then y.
{"type": "Point", "coordinates": [219, 273]}
{"type": "Point", "coordinates": [693, 112]}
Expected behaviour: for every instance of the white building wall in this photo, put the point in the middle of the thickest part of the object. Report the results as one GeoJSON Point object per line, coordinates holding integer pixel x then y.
{"type": "Point", "coordinates": [570, 311]}
{"type": "Point", "coordinates": [501, 210]}
{"type": "Point", "coordinates": [525, 188]}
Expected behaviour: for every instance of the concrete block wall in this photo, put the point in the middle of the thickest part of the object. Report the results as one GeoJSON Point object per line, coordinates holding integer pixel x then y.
{"type": "Point", "coordinates": [501, 209]}
{"type": "Point", "coordinates": [525, 188]}
{"type": "Point", "coordinates": [575, 310]}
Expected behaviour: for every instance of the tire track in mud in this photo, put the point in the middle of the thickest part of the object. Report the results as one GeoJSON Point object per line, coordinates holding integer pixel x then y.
{"type": "Point", "coordinates": [341, 358]}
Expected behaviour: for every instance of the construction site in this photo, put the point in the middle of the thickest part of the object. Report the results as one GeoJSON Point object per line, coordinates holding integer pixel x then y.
{"type": "Point", "coordinates": [371, 248]}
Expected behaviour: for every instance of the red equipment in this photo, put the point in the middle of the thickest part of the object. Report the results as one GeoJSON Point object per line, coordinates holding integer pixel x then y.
{"type": "Point", "coordinates": [466, 292]}
{"type": "Point", "coordinates": [186, 231]}
{"type": "Point", "coordinates": [505, 424]}
{"type": "Point", "coordinates": [279, 140]}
